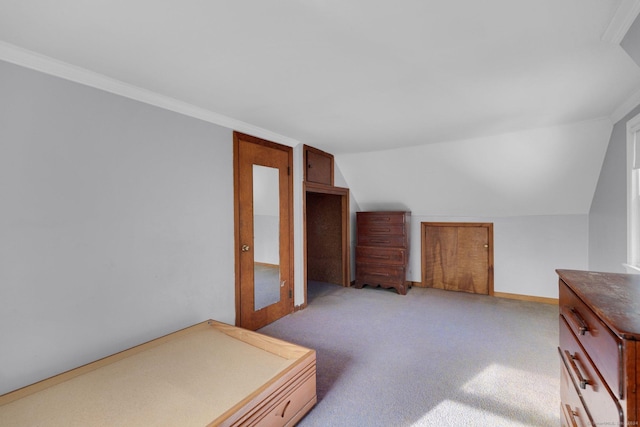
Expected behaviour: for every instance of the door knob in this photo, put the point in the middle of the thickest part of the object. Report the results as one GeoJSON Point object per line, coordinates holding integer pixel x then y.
{"type": "Point", "coordinates": [245, 248]}
{"type": "Point", "coordinates": [486, 246]}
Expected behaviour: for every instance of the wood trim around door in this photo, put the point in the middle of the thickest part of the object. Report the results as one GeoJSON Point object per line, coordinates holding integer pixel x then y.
{"type": "Point", "coordinates": [488, 225]}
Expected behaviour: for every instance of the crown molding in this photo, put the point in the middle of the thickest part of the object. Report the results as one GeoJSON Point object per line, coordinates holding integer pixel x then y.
{"type": "Point", "coordinates": [625, 108]}
{"type": "Point", "coordinates": [621, 21]}
{"type": "Point", "coordinates": [45, 64]}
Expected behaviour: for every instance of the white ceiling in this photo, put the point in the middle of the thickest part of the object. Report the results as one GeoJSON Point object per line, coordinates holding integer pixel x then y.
{"type": "Point", "coordinates": [351, 76]}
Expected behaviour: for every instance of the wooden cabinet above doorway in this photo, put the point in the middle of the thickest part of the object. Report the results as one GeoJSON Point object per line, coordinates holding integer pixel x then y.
{"type": "Point", "coordinates": [318, 166]}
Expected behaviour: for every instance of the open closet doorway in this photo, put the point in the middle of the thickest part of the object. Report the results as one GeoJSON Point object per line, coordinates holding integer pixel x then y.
{"type": "Point", "coordinates": [326, 226]}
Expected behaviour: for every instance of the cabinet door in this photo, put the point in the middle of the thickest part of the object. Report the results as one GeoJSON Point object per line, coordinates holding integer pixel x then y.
{"type": "Point", "coordinates": [458, 256]}
{"type": "Point", "coordinates": [318, 166]}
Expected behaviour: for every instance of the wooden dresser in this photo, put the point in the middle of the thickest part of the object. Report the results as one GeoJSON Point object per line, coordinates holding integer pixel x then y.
{"type": "Point", "coordinates": [382, 250]}
{"type": "Point", "coordinates": [599, 348]}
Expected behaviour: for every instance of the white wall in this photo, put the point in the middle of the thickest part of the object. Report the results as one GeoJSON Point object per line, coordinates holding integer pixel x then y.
{"type": "Point", "coordinates": [354, 207]}
{"type": "Point", "coordinates": [116, 224]}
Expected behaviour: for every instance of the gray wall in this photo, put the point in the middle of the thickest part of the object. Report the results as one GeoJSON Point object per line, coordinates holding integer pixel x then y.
{"type": "Point", "coordinates": [608, 214]}
{"type": "Point", "coordinates": [116, 224]}
{"type": "Point", "coordinates": [631, 41]}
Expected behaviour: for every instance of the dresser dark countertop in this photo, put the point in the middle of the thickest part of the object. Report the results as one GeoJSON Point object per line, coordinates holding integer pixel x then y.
{"type": "Point", "coordinates": [614, 297]}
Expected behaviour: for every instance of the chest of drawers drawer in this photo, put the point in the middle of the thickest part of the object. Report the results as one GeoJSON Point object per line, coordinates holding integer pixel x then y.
{"type": "Point", "coordinates": [381, 255]}
{"type": "Point", "coordinates": [603, 347]}
{"type": "Point", "coordinates": [381, 218]}
{"type": "Point", "coordinates": [380, 275]}
{"type": "Point", "coordinates": [602, 405]}
{"type": "Point", "coordinates": [572, 408]}
{"type": "Point", "coordinates": [381, 240]}
{"type": "Point", "coordinates": [382, 230]}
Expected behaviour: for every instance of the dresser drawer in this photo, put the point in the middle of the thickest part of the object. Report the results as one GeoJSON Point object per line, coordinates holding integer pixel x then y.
{"type": "Point", "coordinates": [292, 397]}
{"type": "Point", "coordinates": [380, 255]}
{"type": "Point", "coordinates": [380, 218]}
{"type": "Point", "coordinates": [571, 407]}
{"type": "Point", "coordinates": [599, 400]}
{"type": "Point", "coordinates": [382, 240]}
{"type": "Point", "coordinates": [603, 347]}
{"type": "Point", "coordinates": [381, 230]}
{"type": "Point", "coordinates": [375, 274]}
{"type": "Point", "coordinates": [290, 408]}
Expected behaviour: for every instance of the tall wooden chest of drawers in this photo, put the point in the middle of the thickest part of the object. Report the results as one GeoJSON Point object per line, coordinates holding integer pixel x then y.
{"type": "Point", "coordinates": [382, 250]}
{"type": "Point", "coordinates": [599, 348]}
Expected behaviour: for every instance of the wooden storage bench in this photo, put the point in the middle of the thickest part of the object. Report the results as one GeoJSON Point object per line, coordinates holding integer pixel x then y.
{"type": "Point", "coordinates": [209, 374]}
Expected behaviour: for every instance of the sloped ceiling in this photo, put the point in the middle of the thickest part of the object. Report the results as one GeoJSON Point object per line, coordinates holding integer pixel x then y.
{"type": "Point", "coordinates": [353, 76]}
{"type": "Point", "coordinates": [547, 171]}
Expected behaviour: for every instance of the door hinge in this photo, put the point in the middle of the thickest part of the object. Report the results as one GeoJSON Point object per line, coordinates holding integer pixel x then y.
{"type": "Point", "coordinates": [288, 170]}
{"type": "Point", "coordinates": [290, 294]}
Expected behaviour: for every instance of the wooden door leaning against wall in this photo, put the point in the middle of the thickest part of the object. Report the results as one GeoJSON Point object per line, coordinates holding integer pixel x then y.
{"type": "Point", "coordinates": [263, 230]}
{"type": "Point", "coordinates": [458, 256]}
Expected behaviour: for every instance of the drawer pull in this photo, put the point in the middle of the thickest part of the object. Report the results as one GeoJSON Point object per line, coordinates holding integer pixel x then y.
{"type": "Point", "coordinates": [380, 256]}
{"type": "Point", "coordinates": [285, 408]}
{"type": "Point", "coordinates": [380, 230]}
{"type": "Point", "coordinates": [584, 382]}
{"type": "Point", "coordinates": [572, 415]}
{"type": "Point", "coordinates": [386, 218]}
{"type": "Point", "coordinates": [582, 325]}
{"type": "Point", "coordinates": [373, 273]}
{"type": "Point", "coordinates": [379, 241]}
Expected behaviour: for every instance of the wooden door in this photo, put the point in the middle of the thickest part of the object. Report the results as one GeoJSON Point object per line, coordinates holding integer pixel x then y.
{"type": "Point", "coordinates": [458, 256]}
{"type": "Point", "coordinates": [264, 231]}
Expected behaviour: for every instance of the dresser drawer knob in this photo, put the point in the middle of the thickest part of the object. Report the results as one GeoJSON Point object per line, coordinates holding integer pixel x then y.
{"type": "Point", "coordinates": [573, 360]}
{"type": "Point", "coordinates": [578, 321]}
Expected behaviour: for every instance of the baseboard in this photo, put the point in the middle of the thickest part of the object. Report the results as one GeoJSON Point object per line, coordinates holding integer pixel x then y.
{"type": "Point", "coordinates": [544, 300]}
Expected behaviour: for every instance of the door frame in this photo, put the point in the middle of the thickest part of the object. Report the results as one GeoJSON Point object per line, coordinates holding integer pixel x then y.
{"type": "Point", "coordinates": [237, 202]}
{"type": "Point", "coordinates": [423, 246]}
{"type": "Point", "coordinates": [311, 187]}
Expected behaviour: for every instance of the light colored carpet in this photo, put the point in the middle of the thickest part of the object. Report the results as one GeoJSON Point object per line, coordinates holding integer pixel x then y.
{"type": "Point", "coordinates": [430, 358]}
